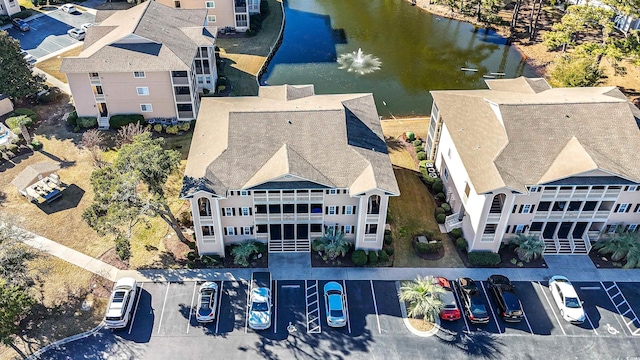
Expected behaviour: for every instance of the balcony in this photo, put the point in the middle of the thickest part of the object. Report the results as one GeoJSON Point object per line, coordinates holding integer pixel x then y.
{"type": "Point", "coordinates": [183, 97]}
{"type": "Point", "coordinates": [286, 198]}
{"type": "Point", "coordinates": [488, 237]}
{"type": "Point", "coordinates": [181, 80]}
{"type": "Point", "coordinates": [100, 97]}
{"type": "Point", "coordinates": [288, 218]}
{"type": "Point", "coordinates": [493, 217]}
{"type": "Point", "coordinates": [208, 239]}
{"type": "Point", "coordinates": [241, 9]}
{"type": "Point", "coordinates": [95, 80]}
{"type": "Point", "coordinates": [185, 114]}
{"type": "Point", "coordinates": [262, 237]}
{"type": "Point", "coordinates": [372, 218]}
{"type": "Point", "coordinates": [370, 237]}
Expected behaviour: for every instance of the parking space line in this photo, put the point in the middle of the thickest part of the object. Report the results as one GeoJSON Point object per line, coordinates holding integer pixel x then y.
{"type": "Point", "coordinates": [551, 307]}
{"type": "Point", "coordinates": [195, 284]}
{"type": "Point", "coordinates": [219, 305]}
{"type": "Point", "coordinates": [135, 309]}
{"type": "Point", "coordinates": [495, 318]}
{"type": "Point", "coordinates": [590, 323]}
{"type": "Point", "coordinates": [618, 305]}
{"type": "Point", "coordinates": [527, 320]}
{"type": "Point", "coordinates": [275, 307]}
{"type": "Point", "coordinates": [163, 305]}
{"type": "Point", "coordinates": [462, 315]}
{"type": "Point", "coordinates": [344, 285]}
{"type": "Point", "coordinates": [375, 306]}
{"type": "Point", "coordinates": [246, 313]}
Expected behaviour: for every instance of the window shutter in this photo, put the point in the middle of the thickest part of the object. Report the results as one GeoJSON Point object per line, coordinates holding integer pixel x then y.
{"type": "Point", "coordinates": [354, 209]}
{"type": "Point", "coordinates": [617, 207]}
{"type": "Point", "coordinates": [344, 211]}
{"type": "Point", "coordinates": [251, 230]}
{"type": "Point", "coordinates": [224, 213]}
{"type": "Point", "coordinates": [532, 208]}
{"type": "Point", "coordinates": [508, 227]}
{"type": "Point", "coordinates": [233, 211]}
{"type": "Point", "coordinates": [338, 210]}
{"type": "Point", "coordinates": [326, 210]}
{"type": "Point", "coordinates": [637, 208]}
{"type": "Point", "coordinates": [235, 230]}
{"type": "Point", "coordinates": [628, 208]}
{"type": "Point", "coordinates": [250, 212]}
{"type": "Point", "coordinates": [521, 207]}
{"type": "Point", "coordinates": [342, 228]}
{"type": "Point", "coordinates": [515, 207]}
{"type": "Point", "coordinates": [225, 231]}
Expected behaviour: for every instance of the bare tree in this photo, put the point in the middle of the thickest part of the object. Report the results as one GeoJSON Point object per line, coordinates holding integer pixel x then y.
{"type": "Point", "coordinates": [126, 133]}
{"type": "Point", "coordinates": [93, 141]}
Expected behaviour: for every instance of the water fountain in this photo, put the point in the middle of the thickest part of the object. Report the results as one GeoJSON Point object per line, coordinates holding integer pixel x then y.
{"type": "Point", "coordinates": [358, 62]}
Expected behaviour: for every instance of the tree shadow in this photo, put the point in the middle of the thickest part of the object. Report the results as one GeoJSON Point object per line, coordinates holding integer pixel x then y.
{"type": "Point", "coordinates": [476, 344]}
{"type": "Point", "coordinates": [63, 162]}
{"type": "Point", "coordinates": [71, 197]}
{"type": "Point", "coordinates": [393, 143]}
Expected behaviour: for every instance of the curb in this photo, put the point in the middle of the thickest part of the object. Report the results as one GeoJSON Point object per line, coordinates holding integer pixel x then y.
{"type": "Point", "coordinates": [414, 331]}
{"type": "Point", "coordinates": [72, 338]}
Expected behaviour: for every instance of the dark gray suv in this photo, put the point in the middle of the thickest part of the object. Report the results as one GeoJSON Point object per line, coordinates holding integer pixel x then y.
{"type": "Point", "coordinates": [504, 292]}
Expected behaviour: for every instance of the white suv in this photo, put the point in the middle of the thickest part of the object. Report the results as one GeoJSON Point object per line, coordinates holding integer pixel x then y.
{"type": "Point", "coordinates": [68, 8]}
{"type": "Point", "coordinates": [121, 303]}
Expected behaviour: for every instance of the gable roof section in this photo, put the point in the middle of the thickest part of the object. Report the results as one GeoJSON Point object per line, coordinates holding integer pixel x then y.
{"type": "Point", "coordinates": [544, 136]}
{"type": "Point", "coordinates": [303, 136]}
{"type": "Point", "coordinates": [149, 37]}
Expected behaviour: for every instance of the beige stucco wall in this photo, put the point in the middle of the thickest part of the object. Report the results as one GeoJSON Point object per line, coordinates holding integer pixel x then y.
{"type": "Point", "coordinates": [6, 106]}
{"type": "Point", "coordinates": [122, 98]}
{"type": "Point", "coordinates": [82, 93]}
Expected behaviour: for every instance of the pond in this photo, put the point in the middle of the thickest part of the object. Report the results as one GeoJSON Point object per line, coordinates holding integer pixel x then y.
{"type": "Point", "coordinates": [417, 51]}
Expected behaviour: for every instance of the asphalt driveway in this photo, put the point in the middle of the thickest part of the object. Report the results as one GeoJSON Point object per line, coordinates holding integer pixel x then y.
{"type": "Point", "coordinates": [48, 32]}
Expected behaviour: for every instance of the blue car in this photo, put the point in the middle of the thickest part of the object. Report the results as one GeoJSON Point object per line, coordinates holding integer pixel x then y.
{"type": "Point", "coordinates": [20, 24]}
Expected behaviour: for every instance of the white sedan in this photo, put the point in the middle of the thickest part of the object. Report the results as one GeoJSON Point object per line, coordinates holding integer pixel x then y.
{"type": "Point", "coordinates": [335, 304]}
{"type": "Point", "coordinates": [566, 299]}
{"type": "Point", "coordinates": [207, 301]}
{"type": "Point", "coordinates": [260, 310]}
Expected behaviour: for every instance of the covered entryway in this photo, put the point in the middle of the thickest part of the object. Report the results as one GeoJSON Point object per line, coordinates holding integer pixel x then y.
{"type": "Point", "coordinates": [289, 238]}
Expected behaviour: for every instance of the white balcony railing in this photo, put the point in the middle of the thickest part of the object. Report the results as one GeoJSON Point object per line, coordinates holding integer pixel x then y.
{"type": "Point", "coordinates": [493, 217]}
{"type": "Point", "coordinates": [208, 239]}
{"type": "Point", "coordinates": [372, 218]}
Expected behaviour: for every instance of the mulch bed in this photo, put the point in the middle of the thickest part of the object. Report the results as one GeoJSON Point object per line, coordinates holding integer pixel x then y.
{"type": "Point", "coordinates": [317, 261]}
{"type": "Point", "coordinates": [255, 262]}
{"type": "Point", "coordinates": [427, 256]}
{"type": "Point", "coordinates": [604, 261]}
{"type": "Point", "coordinates": [506, 255]}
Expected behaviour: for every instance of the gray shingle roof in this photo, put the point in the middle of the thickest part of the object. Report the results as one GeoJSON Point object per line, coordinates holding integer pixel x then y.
{"type": "Point", "coordinates": [149, 37]}
{"type": "Point", "coordinates": [514, 138]}
{"type": "Point", "coordinates": [30, 175]}
{"type": "Point", "coordinates": [333, 140]}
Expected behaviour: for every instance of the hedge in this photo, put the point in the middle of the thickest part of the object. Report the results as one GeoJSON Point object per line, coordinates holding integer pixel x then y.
{"type": "Point", "coordinates": [87, 122]}
{"type": "Point", "coordinates": [456, 233]}
{"type": "Point", "coordinates": [118, 121]}
{"type": "Point", "coordinates": [28, 112]}
{"type": "Point", "coordinates": [461, 243]}
{"type": "Point", "coordinates": [373, 258]}
{"type": "Point", "coordinates": [437, 186]}
{"type": "Point", "coordinates": [389, 250]}
{"type": "Point", "coordinates": [440, 218]}
{"type": "Point", "coordinates": [383, 256]}
{"type": "Point", "coordinates": [429, 248]}
{"type": "Point", "coordinates": [172, 129]}
{"type": "Point", "coordinates": [388, 238]}
{"type": "Point", "coordinates": [359, 258]}
{"type": "Point", "coordinates": [22, 14]}
{"type": "Point", "coordinates": [417, 142]}
{"type": "Point", "coordinates": [72, 118]}
{"type": "Point", "coordinates": [421, 155]}
{"type": "Point", "coordinates": [446, 207]}
{"type": "Point", "coordinates": [484, 258]}
{"type": "Point", "coordinates": [440, 196]}
{"type": "Point", "coordinates": [210, 260]}
{"type": "Point", "coordinates": [439, 211]}
{"type": "Point", "coordinates": [184, 126]}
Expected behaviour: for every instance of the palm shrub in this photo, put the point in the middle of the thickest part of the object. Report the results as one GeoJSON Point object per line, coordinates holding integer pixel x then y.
{"type": "Point", "coordinates": [243, 251]}
{"type": "Point", "coordinates": [622, 246]}
{"type": "Point", "coordinates": [332, 243]}
{"type": "Point", "coordinates": [528, 246]}
{"type": "Point", "coordinates": [424, 298]}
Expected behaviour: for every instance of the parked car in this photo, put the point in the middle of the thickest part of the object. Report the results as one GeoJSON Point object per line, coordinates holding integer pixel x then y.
{"type": "Point", "coordinates": [567, 299]}
{"type": "Point", "coordinates": [85, 26]}
{"type": "Point", "coordinates": [504, 292]}
{"type": "Point", "coordinates": [450, 310]}
{"type": "Point", "coordinates": [20, 24]}
{"type": "Point", "coordinates": [207, 302]}
{"type": "Point", "coordinates": [27, 57]}
{"type": "Point", "coordinates": [335, 304]}
{"type": "Point", "coordinates": [68, 8]}
{"type": "Point", "coordinates": [77, 34]}
{"type": "Point", "coordinates": [472, 302]}
{"type": "Point", "coordinates": [260, 301]}
{"type": "Point", "coordinates": [121, 303]}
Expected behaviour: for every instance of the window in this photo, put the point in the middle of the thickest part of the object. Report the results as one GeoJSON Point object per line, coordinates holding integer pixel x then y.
{"type": "Point", "coordinates": [228, 211]}
{"type": "Point", "coordinates": [533, 189]}
{"type": "Point", "coordinates": [288, 208]}
{"type": "Point", "coordinates": [137, 74]}
{"type": "Point", "coordinates": [241, 20]}
{"type": "Point", "coordinates": [302, 208]}
{"type": "Point", "coordinates": [211, 18]}
{"type": "Point", "coordinates": [574, 206]}
{"type": "Point", "coordinates": [371, 229]}
{"type": "Point", "coordinates": [632, 188]}
{"type": "Point", "coordinates": [179, 74]}
{"type": "Point", "coordinates": [637, 209]}
{"type": "Point", "coordinates": [315, 228]}
{"type": "Point", "coordinates": [449, 153]}
{"type": "Point", "coordinates": [200, 80]}
{"type": "Point", "coordinates": [536, 226]}
{"type": "Point", "coordinates": [348, 229]}
{"type": "Point", "coordinates": [467, 189]}
{"type": "Point", "coordinates": [349, 210]}
{"type": "Point", "coordinates": [620, 208]}
{"type": "Point", "coordinates": [207, 231]}
{"type": "Point", "coordinates": [590, 205]}
{"type": "Point", "coordinates": [331, 210]}
{"type": "Point", "coordinates": [205, 206]}
{"type": "Point", "coordinates": [176, 4]}
{"type": "Point", "coordinates": [631, 228]}
{"type": "Point", "coordinates": [184, 107]}
{"type": "Point", "coordinates": [559, 206]}
{"type": "Point", "coordinates": [142, 90]}
{"type": "Point", "coordinates": [247, 230]}
{"type": "Point", "coordinates": [245, 211]}
{"type": "Point", "coordinates": [332, 191]}
{"type": "Point", "coordinates": [610, 229]}
{"type": "Point", "coordinates": [490, 228]}
{"type": "Point", "coordinates": [207, 79]}
{"type": "Point", "coordinates": [526, 208]}
{"type": "Point", "coordinates": [519, 229]}
{"type": "Point", "coordinates": [146, 108]}
{"type": "Point", "coordinates": [244, 193]}
{"type": "Point", "coordinates": [210, 4]}
{"type": "Point", "coordinates": [445, 173]}
{"type": "Point", "coordinates": [230, 230]}
{"type": "Point", "coordinates": [544, 206]}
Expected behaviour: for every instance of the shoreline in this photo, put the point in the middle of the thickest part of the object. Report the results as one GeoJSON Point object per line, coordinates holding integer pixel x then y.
{"type": "Point", "coordinates": [538, 65]}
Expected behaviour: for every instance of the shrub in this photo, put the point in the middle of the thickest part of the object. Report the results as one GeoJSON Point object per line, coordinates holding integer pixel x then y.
{"type": "Point", "coordinates": [359, 258]}
{"type": "Point", "coordinates": [437, 186]}
{"type": "Point", "coordinates": [36, 145]}
{"type": "Point", "coordinates": [123, 248]}
{"type": "Point", "coordinates": [446, 207]}
{"type": "Point", "coordinates": [172, 129]}
{"type": "Point", "coordinates": [429, 234]}
{"type": "Point", "coordinates": [440, 196]}
{"type": "Point", "coordinates": [421, 155]}
{"type": "Point", "coordinates": [427, 178]}
{"type": "Point", "coordinates": [423, 164]}
{"type": "Point", "coordinates": [456, 233]}
{"type": "Point", "coordinates": [185, 219]}
{"type": "Point", "coordinates": [389, 250]}
{"type": "Point", "coordinates": [22, 14]}
{"type": "Point", "coordinates": [17, 121]}
{"type": "Point", "coordinates": [5, 19]}
{"type": "Point", "coordinates": [429, 248]}
{"type": "Point", "coordinates": [24, 111]}
{"type": "Point", "coordinates": [373, 258]}
{"type": "Point", "coordinates": [157, 128]}
{"type": "Point", "coordinates": [192, 245]}
{"type": "Point", "coordinates": [440, 218]}
{"type": "Point", "coordinates": [417, 142]}
{"type": "Point", "coordinates": [262, 247]}
{"type": "Point", "coordinates": [411, 136]}
{"type": "Point", "coordinates": [484, 258]}
{"type": "Point", "coordinates": [388, 238]}
{"type": "Point", "coordinates": [439, 211]}
{"type": "Point", "coordinates": [118, 121]}
{"type": "Point", "coordinates": [251, 33]}
{"type": "Point", "coordinates": [210, 260]}
{"type": "Point", "coordinates": [383, 256]}
{"type": "Point", "coordinates": [462, 244]}
{"type": "Point", "coordinates": [50, 96]}
{"type": "Point", "coordinates": [191, 255]}
{"type": "Point", "coordinates": [184, 126]}
{"type": "Point", "coordinates": [72, 118]}
{"type": "Point", "coordinates": [87, 122]}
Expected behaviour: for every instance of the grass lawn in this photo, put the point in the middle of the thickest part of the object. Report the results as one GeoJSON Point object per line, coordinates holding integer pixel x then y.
{"type": "Point", "coordinates": [52, 66]}
{"type": "Point", "coordinates": [244, 56]}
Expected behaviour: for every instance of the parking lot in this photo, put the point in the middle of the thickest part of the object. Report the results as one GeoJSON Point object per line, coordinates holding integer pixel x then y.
{"type": "Point", "coordinates": [48, 32]}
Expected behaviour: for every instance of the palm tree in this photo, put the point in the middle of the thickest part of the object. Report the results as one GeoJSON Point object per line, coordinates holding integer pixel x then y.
{"type": "Point", "coordinates": [332, 243]}
{"type": "Point", "coordinates": [622, 246]}
{"type": "Point", "coordinates": [243, 251]}
{"type": "Point", "coordinates": [528, 246]}
{"type": "Point", "coordinates": [424, 297]}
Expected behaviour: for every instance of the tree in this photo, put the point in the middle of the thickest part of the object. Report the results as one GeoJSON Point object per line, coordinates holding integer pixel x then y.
{"type": "Point", "coordinates": [16, 77]}
{"type": "Point", "coordinates": [622, 246]}
{"type": "Point", "coordinates": [424, 297]}
{"type": "Point", "coordinates": [575, 71]}
{"type": "Point", "coordinates": [131, 187]}
{"type": "Point", "coordinates": [528, 246]}
{"type": "Point", "coordinates": [332, 243]}
{"type": "Point", "coordinates": [15, 304]}
{"type": "Point", "coordinates": [93, 141]}
{"type": "Point", "coordinates": [15, 255]}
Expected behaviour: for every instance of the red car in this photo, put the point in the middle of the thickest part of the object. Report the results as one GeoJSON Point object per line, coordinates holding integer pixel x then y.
{"type": "Point", "coordinates": [450, 310]}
